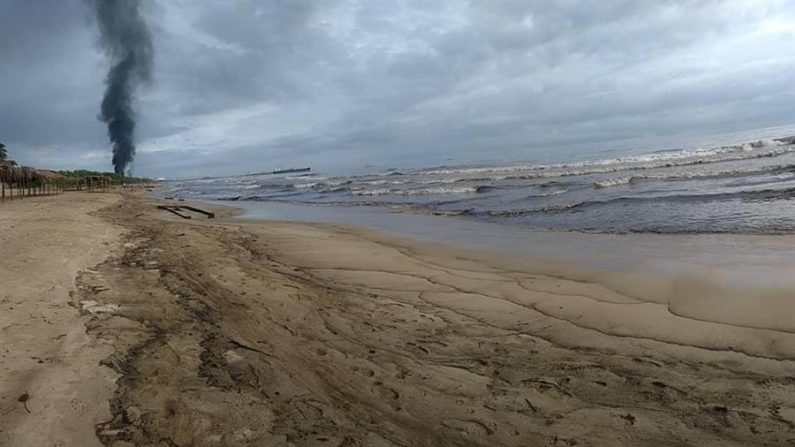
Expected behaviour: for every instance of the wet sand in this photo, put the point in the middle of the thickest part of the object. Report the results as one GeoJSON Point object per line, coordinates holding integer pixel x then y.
{"type": "Point", "coordinates": [226, 332]}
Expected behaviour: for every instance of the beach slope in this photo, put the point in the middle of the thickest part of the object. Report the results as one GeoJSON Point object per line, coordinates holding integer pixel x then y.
{"type": "Point", "coordinates": [231, 333]}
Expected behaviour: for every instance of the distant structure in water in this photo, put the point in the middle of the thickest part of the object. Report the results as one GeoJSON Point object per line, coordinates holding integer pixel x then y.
{"type": "Point", "coordinates": [291, 171]}
{"type": "Point", "coordinates": [282, 171]}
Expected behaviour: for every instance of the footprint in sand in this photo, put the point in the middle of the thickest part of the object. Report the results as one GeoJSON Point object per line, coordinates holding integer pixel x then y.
{"type": "Point", "coordinates": [367, 372]}
{"type": "Point", "coordinates": [385, 392]}
{"type": "Point", "coordinates": [470, 427]}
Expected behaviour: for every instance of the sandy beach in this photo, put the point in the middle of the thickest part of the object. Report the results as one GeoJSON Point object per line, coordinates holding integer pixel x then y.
{"type": "Point", "coordinates": [126, 325]}
{"type": "Point", "coordinates": [45, 352]}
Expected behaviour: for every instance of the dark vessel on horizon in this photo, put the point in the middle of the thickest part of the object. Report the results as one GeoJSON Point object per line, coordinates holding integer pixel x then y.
{"type": "Point", "coordinates": [290, 171]}
{"type": "Point", "coordinates": [280, 171]}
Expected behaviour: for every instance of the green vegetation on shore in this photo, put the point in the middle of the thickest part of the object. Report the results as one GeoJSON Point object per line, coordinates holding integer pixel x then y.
{"type": "Point", "coordinates": [116, 179]}
{"type": "Point", "coordinates": [10, 172]}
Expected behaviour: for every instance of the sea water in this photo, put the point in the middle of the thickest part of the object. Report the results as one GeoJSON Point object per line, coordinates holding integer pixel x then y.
{"type": "Point", "coordinates": [745, 188]}
{"type": "Point", "coordinates": [708, 227]}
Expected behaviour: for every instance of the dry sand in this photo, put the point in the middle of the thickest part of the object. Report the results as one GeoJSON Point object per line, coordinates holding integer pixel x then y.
{"type": "Point", "coordinates": [231, 333]}
{"type": "Point", "coordinates": [44, 349]}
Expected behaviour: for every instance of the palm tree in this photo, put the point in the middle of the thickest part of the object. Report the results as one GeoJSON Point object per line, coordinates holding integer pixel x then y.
{"type": "Point", "coordinates": [3, 152]}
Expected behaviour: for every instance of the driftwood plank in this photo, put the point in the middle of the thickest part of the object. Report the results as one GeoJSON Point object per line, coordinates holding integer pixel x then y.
{"type": "Point", "coordinates": [173, 209]}
{"type": "Point", "coordinates": [209, 214]}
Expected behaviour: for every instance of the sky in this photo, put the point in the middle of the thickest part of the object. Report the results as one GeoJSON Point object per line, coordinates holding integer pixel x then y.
{"type": "Point", "coordinates": [241, 86]}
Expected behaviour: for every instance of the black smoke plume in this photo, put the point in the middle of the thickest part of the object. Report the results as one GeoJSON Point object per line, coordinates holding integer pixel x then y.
{"type": "Point", "coordinates": [128, 45]}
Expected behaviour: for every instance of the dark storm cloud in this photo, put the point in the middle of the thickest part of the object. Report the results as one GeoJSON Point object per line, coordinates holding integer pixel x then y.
{"type": "Point", "coordinates": [250, 85]}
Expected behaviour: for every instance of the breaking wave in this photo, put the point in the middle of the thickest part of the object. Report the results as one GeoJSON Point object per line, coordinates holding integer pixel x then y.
{"type": "Point", "coordinates": [421, 191]}
{"type": "Point", "coordinates": [742, 188]}
{"type": "Point", "coordinates": [757, 149]}
{"type": "Point", "coordinates": [618, 181]}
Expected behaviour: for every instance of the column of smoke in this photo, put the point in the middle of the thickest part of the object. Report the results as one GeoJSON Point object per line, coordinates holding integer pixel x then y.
{"type": "Point", "coordinates": [128, 46]}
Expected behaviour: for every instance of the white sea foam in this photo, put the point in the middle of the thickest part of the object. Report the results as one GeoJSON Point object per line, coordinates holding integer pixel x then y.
{"type": "Point", "coordinates": [606, 183]}
{"type": "Point", "coordinates": [371, 192]}
{"type": "Point", "coordinates": [761, 148]}
{"type": "Point", "coordinates": [384, 182]}
{"type": "Point", "coordinates": [554, 193]}
{"type": "Point", "coordinates": [679, 175]}
{"type": "Point", "coordinates": [415, 192]}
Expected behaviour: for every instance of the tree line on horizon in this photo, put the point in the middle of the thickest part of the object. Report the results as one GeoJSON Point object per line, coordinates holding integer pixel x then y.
{"type": "Point", "coordinates": [115, 178]}
{"type": "Point", "coordinates": [77, 173]}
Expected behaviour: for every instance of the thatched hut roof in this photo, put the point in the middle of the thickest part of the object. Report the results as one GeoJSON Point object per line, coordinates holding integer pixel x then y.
{"type": "Point", "coordinates": [16, 174]}
{"type": "Point", "coordinates": [48, 176]}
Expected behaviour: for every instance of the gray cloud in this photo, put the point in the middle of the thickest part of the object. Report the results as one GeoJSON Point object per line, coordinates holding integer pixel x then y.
{"type": "Point", "coordinates": [251, 85]}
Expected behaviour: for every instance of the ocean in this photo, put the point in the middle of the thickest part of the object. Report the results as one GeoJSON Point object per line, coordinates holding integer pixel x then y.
{"type": "Point", "coordinates": [742, 188]}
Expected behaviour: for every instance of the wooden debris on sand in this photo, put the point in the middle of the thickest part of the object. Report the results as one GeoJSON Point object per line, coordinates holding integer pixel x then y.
{"type": "Point", "coordinates": [179, 210]}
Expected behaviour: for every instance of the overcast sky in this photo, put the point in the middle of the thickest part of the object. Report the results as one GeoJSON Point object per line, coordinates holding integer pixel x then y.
{"type": "Point", "coordinates": [338, 84]}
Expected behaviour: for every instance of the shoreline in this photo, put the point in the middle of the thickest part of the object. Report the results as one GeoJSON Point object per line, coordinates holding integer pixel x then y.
{"type": "Point", "coordinates": [234, 332]}
{"type": "Point", "coordinates": [517, 241]}
{"type": "Point", "coordinates": [693, 274]}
